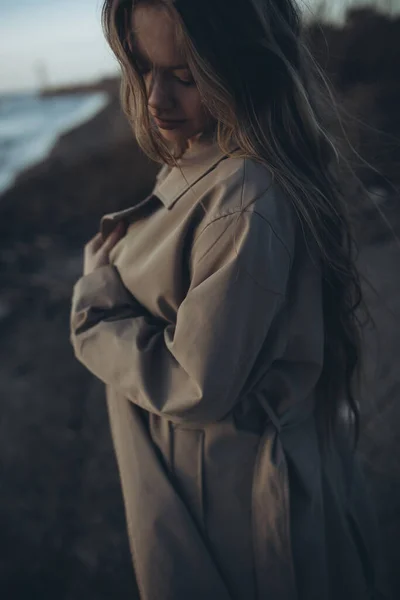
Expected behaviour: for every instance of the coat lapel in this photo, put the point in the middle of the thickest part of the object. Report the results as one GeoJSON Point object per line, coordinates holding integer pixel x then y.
{"type": "Point", "coordinates": [195, 164]}
{"type": "Point", "coordinates": [109, 221]}
{"type": "Point", "coordinates": [172, 183]}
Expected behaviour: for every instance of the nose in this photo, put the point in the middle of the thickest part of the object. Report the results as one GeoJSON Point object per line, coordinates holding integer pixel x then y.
{"type": "Point", "coordinates": [160, 98]}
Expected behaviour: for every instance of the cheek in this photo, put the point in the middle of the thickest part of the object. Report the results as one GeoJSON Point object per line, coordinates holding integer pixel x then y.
{"type": "Point", "coordinates": [193, 106]}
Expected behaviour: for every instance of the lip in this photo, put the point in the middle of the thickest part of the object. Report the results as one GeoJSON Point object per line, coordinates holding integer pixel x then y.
{"type": "Point", "coordinates": [168, 124]}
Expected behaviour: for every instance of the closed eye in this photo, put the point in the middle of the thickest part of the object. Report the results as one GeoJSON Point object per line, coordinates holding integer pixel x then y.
{"type": "Point", "coordinates": [187, 81]}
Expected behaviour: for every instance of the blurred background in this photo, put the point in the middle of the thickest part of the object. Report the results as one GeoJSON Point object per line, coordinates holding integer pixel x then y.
{"type": "Point", "coordinates": [67, 156]}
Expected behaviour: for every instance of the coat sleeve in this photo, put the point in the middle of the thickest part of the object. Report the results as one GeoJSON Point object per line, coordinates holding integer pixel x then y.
{"type": "Point", "coordinates": [192, 370]}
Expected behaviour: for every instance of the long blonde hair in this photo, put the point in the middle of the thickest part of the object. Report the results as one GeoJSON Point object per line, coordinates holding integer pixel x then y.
{"type": "Point", "coordinates": [258, 81]}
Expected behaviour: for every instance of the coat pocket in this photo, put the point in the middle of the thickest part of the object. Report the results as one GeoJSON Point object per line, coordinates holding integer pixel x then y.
{"type": "Point", "coordinates": [188, 469]}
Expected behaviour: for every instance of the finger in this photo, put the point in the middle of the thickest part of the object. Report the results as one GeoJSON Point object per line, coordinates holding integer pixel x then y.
{"type": "Point", "coordinates": [95, 243]}
{"type": "Point", "coordinates": [114, 236]}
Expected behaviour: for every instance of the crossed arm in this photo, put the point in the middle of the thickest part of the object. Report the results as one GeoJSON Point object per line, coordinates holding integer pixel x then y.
{"type": "Point", "coordinates": [194, 369]}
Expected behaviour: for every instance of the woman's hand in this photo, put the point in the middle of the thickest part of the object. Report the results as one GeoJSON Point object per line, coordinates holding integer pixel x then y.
{"type": "Point", "coordinates": [97, 251]}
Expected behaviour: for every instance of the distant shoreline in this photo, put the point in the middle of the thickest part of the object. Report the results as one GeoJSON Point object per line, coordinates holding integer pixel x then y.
{"type": "Point", "coordinates": [109, 85]}
{"type": "Point", "coordinates": [92, 169]}
{"type": "Point", "coordinates": [38, 147]}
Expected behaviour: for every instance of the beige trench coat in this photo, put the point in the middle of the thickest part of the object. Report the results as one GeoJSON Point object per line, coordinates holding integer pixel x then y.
{"type": "Point", "coordinates": [207, 330]}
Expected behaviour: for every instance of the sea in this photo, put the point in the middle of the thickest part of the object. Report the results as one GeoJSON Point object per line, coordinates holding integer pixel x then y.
{"type": "Point", "coordinates": [30, 125]}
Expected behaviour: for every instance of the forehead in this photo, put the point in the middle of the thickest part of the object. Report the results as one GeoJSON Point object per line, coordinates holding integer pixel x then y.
{"type": "Point", "coordinates": [154, 36]}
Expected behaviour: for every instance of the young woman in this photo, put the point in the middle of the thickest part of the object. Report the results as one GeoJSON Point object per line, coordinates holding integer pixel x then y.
{"type": "Point", "coordinates": [220, 314]}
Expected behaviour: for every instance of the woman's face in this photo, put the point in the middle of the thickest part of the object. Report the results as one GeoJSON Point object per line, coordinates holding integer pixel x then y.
{"type": "Point", "coordinates": [173, 98]}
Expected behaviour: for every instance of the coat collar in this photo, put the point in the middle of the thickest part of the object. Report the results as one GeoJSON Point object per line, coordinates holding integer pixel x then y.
{"type": "Point", "coordinates": [200, 159]}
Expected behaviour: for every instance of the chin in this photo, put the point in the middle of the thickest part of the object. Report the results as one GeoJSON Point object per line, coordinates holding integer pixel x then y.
{"type": "Point", "coordinates": [172, 136]}
{"type": "Point", "coordinates": [179, 140]}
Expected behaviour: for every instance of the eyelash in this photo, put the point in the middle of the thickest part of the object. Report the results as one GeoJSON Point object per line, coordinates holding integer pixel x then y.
{"type": "Point", "coordinates": [189, 83]}
{"type": "Point", "coordinates": [184, 82]}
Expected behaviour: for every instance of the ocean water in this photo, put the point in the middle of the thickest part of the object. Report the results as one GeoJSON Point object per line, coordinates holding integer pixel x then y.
{"type": "Point", "coordinates": [30, 126]}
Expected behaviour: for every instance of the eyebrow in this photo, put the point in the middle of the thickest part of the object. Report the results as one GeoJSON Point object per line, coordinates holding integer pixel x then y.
{"type": "Point", "coordinates": [175, 67]}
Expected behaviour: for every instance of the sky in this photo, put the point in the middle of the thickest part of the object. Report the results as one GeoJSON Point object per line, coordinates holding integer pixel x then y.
{"type": "Point", "coordinates": [61, 42]}
{"type": "Point", "coordinates": [61, 37]}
